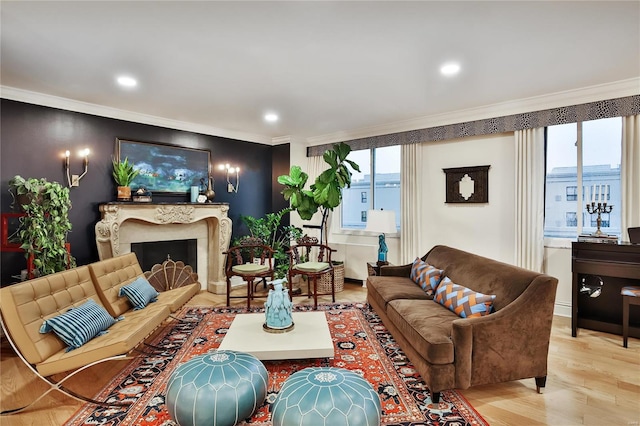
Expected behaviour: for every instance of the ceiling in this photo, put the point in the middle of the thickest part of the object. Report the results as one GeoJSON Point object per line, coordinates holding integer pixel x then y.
{"type": "Point", "coordinates": [323, 67]}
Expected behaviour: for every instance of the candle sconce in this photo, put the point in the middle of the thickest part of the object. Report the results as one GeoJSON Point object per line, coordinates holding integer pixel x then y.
{"type": "Point", "coordinates": [230, 172]}
{"type": "Point", "coordinates": [74, 180]}
{"type": "Point", "coordinates": [599, 208]}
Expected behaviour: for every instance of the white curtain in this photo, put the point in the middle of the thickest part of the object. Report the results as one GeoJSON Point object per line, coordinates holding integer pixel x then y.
{"type": "Point", "coordinates": [529, 198]}
{"type": "Point", "coordinates": [630, 174]}
{"type": "Point", "coordinates": [410, 202]}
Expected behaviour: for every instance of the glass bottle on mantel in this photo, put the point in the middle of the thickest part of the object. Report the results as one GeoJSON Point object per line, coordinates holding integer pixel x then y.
{"type": "Point", "coordinates": [210, 193]}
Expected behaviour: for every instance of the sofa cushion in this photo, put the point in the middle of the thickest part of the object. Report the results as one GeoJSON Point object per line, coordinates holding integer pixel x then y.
{"type": "Point", "coordinates": [426, 326]}
{"type": "Point", "coordinates": [139, 293]}
{"type": "Point", "coordinates": [177, 297]}
{"type": "Point", "coordinates": [463, 301]}
{"type": "Point", "coordinates": [384, 289]}
{"type": "Point", "coordinates": [111, 274]}
{"type": "Point", "coordinates": [122, 337]}
{"type": "Point", "coordinates": [425, 275]}
{"type": "Point", "coordinates": [79, 325]}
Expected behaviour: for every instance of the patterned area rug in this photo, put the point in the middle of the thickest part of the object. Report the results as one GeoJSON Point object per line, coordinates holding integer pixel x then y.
{"type": "Point", "coordinates": [362, 344]}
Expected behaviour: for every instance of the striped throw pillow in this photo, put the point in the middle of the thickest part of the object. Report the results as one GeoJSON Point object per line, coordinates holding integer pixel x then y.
{"type": "Point", "coordinates": [79, 325]}
{"type": "Point", "coordinates": [140, 293]}
{"type": "Point", "coordinates": [463, 301]}
{"type": "Point", "coordinates": [426, 276]}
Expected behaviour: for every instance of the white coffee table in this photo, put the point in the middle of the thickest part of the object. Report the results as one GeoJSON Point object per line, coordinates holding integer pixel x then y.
{"type": "Point", "coordinates": [310, 337]}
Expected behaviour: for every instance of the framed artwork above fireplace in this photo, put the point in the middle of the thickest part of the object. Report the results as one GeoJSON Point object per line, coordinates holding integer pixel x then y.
{"type": "Point", "coordinates": [163, 168]}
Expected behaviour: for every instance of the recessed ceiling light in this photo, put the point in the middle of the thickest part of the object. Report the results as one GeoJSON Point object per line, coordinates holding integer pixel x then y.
{"type": "Point", "coordinates": [271, 117]}
{"type": "Point", "coordinates": [127, 81]}
{"type": "Point", "coordinates": [450, 68]}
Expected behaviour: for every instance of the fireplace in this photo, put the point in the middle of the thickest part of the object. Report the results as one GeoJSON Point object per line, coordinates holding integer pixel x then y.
{"type": "Point", "coordinates": [127, 224]}
{"type": "Point", "coordinates": [154, 252]}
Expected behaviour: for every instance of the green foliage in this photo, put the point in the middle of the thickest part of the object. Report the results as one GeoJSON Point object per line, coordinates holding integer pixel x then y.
{"type": "Point", "coordinates": [326, 192]}
{"type": "Point", "coordinates": [268, 229]}
{"type": "Point", "coordinates": [43, 231]}
{"type": "Point", "coordinates": [123, 172]}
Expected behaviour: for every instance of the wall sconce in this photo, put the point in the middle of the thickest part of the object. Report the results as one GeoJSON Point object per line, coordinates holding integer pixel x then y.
{"type": "Point", "coordinates": [74, 180]}
{"type": "Point", "coordinates": [230, 171]}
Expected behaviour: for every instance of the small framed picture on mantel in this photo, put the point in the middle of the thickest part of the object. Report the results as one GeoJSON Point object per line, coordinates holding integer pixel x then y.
{"type": "Point", "coordinates": [467, 184]}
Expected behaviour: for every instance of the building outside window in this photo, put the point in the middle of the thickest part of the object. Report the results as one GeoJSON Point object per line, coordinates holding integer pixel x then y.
{"type": "Point", "coordinates": [597, 146]}
{"type": "Point", "coordinates": [377, 186]}
{"type": "Point", "coordinates": [571, 219]}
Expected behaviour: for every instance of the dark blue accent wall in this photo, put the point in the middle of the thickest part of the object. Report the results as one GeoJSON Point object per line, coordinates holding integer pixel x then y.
{"type": "Point", "coordinates": [33, 139]}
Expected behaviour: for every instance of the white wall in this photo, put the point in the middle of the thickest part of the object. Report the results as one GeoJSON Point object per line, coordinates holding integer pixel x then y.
{"type": "Point", "coordinates": [486, 229]}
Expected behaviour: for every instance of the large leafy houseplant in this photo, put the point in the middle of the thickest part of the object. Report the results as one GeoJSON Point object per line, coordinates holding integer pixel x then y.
{"type": "Point", "coordinates": [325, 193]}
{"type": "Point", "coordinates": [43, 229]}
{"type": "Point", "coordinates": [268, 229]}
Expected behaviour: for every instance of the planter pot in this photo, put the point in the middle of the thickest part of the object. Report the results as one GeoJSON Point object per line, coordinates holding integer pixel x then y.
{"type": "Point", "coordinates": [124, 193]}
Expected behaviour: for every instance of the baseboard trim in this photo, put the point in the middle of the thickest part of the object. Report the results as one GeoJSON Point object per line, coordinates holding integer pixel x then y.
{"type": "Point", "coordinates": [562, 309]}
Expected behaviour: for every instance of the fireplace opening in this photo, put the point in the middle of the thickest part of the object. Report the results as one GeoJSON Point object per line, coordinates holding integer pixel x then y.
{"type": "Point", "coordinates": [151, 253]}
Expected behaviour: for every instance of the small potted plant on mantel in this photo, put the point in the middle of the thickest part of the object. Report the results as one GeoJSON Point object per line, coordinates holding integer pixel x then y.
{"type": "Point", "coordinates": [123, 175]}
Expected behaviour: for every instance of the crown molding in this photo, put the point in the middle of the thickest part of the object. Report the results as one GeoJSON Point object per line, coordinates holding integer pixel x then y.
{"type": "Point", "coordinates": [600, 92]}
{"type": "Point", "coordinates": [279, 140]}
{"type": "Point", "coordinates": [26, 96]}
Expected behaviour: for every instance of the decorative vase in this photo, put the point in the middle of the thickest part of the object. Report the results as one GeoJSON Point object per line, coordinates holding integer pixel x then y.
{"type": "Point", "coordinates": [124, 193]}
{"type": "Point", "coordinates": [278, 308]}
{"type": "Point", "coordinates": [210, 193]}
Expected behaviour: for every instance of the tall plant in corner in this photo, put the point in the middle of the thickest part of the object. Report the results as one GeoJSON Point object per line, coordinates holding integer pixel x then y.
{"type": "Point", "coordinates": [43, 230]}
{"type": "Point", "coordinates": [325, 193]}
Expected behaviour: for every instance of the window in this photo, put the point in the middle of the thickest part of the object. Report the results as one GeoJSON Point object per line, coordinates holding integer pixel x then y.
{"type": "Point", "coordinates": [377, 186]}
{"type": "Point", "coordinates": [571, 219]}
{"type": "Point", "coordinates": [596, 145]}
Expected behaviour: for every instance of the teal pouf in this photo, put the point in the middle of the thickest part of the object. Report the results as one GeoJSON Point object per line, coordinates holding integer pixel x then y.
{"type": "Point", "coordinates": [326, 396]}
{"type": "Point", "coordinates": [218, 388]}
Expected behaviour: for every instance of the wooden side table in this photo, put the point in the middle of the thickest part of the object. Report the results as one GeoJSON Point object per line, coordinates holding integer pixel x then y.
{"type": "Point", "coordinates": [373, 268]}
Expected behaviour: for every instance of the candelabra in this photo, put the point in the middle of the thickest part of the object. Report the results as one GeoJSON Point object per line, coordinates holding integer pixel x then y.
{"type": "Point", "coordinates": [598, 208]}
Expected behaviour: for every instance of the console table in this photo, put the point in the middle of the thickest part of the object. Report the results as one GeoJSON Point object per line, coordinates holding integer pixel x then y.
{"type": "Point", "coordinates": [618, 265]}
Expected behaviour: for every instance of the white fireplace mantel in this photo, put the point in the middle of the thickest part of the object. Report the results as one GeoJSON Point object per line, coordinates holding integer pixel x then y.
{"type": "Point", "coordinates": [125, 223]}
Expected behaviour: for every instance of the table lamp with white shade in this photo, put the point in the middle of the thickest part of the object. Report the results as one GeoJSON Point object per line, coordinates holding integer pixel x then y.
{"type": "Point", "coordinates": [383, 222]}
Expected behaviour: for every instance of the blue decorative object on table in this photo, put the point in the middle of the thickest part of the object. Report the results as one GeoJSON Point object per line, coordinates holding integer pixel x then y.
{"type": "Point", "coordinates": [326, 396]}
{"type": "Point", "coordinates": [216, 389]}
{"type": "Point", "coordinates": [278, 308]}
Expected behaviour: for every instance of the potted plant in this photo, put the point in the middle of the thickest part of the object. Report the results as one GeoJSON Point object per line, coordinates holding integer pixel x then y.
{"type": "Point", "coordinates": [268, 229]}
{"type": "Point", "coordinates": [43, 229]}
{"type": "Point", "coordinates": [123, 175]}
{"type": "Point", "coordinates": [326, 192]}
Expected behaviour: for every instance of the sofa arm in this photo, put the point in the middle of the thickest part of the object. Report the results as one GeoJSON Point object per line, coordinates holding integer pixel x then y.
{"type": "Point", "coordinates": [510, 344]}
{"type": "Point", "coordinates": [396, 271]}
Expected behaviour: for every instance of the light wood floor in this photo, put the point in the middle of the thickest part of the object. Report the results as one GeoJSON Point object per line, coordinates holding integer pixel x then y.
{"type": "Point", "coordinates": [592, 380]}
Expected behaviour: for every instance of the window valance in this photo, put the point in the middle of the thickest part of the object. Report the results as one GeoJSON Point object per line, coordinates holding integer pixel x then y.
{"type": "Point", "coordinates": [618, 107]}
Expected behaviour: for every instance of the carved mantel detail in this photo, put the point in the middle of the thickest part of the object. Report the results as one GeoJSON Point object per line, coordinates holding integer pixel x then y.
{"type": "Point", "coordinates": [126, 223]}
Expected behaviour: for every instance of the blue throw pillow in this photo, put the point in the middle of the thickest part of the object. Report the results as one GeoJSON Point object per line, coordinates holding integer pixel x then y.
{"type": "Point", "coordinates": [140, 293]}
{"type": "Point", "coordinates": [79, 325]}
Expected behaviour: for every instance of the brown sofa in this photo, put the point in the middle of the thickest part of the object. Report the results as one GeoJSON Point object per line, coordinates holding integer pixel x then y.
{"type": "Point", "coordinates": [451, 352]}
{"type": "Point", "coordinates": [26, 305]}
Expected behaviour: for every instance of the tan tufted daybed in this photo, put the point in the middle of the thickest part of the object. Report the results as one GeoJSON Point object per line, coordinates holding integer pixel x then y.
{"type": "Point", "coordinates": [26, 305]}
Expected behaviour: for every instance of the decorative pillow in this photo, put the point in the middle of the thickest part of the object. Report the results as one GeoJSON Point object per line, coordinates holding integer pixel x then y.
{"type": "Point", "coordinates": [463, 301]}
{"type": "Point", "coordinates": [426, 276]}
{"type": "Point", "coordinates": [79, 325]}
{"type": "Point", "coordinates": [140, 293]}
